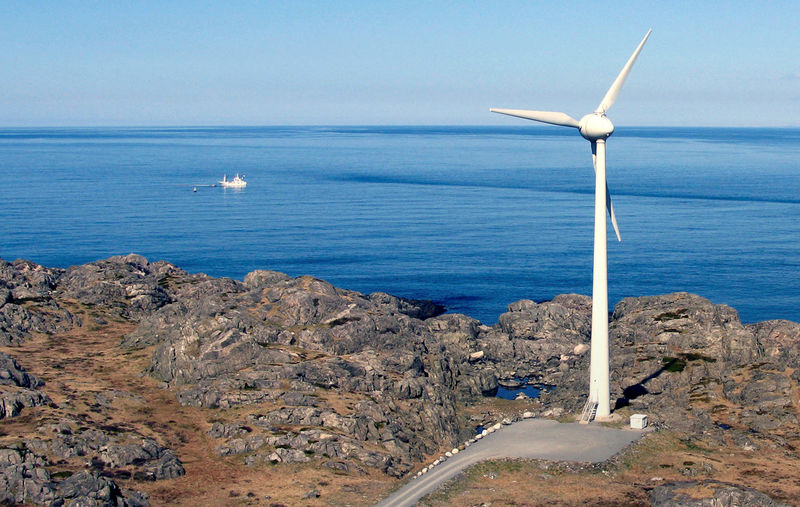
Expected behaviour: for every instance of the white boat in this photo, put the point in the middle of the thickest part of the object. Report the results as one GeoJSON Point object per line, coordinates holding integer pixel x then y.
{"type": "Point", "coordinates": [236, 182]}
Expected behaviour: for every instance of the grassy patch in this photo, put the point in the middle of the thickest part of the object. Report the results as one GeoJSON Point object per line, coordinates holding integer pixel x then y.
{"type": "Point", "coordinates": [673, 364]}
{"type": "Point", "coordinates": [343, 320]}
{"type": "Point", "coordinates": [678, 314]}
{"type": "Point", "coordinates": [678, 364]}
{"type": "Point", "coordinates": [692, 445]}
{"type": "Point", "coordinates": [698, 357]}
{"type": "Point", "coordinates": [518, 482]}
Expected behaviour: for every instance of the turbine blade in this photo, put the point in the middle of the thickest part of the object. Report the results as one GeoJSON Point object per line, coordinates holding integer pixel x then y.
{"type": "Point", "coordinates": [609, 204]}
{"type": "Point", "coordinates": [550, 117]}
{"type": "Point", "coordinates": [610, 207]}
{"type": "Point", "coordinates": [611, 94]}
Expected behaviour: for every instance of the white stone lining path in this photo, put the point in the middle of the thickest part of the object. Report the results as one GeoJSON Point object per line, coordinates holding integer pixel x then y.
{"type": "Point", "coordinates": [528, 438]}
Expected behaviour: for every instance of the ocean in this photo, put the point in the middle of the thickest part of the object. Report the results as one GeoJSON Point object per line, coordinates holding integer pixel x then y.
{"type": "Point", "coordinates": [471, 217]}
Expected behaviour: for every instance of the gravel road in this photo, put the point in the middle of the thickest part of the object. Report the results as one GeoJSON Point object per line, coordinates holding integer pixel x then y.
{"type": "Point", "coordinates": [529, 438]}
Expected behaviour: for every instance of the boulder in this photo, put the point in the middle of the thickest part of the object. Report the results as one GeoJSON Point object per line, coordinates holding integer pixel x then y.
{"type": "Point", "coordinates": [779, 340]}
{"type": "Point", "coordinates": [28, 304]}
{"type": "Point", "coordinates": [153, 461]}
{"type": "Point", "coordinates": [24, 479]}
{"type": "Point", "coordinates": [12, 374]}
{"type": "Point", "coordinates": [567, 318]}
{"type": "Point", "coordinates": [21, 388]}
{"type": "Point", "coordinates": [129, 285]}
{"type": "Point", "coordinates": [89, 488]}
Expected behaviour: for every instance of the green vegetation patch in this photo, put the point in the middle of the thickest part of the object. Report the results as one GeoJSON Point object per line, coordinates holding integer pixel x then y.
{"type": "Point", "coordinates": [673, 364]}
{"type": "Point", "coordinates": [678, 314]}
{"type": "Point", "coordinates": [343, 320]}
{"type": "Point", "coordinates": [678, 364]}
{"type": "Point", "coordinates": [694, 446]}
{"type": "Point", "coordinates": [698, 357]}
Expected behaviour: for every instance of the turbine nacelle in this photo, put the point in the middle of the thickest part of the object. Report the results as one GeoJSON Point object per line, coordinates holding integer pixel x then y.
{"type": "Point", "coordinates": [595, 126]}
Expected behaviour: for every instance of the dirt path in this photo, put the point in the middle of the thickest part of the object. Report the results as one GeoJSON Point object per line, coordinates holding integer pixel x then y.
{"type": "Point", "coordinates": [530, 438]}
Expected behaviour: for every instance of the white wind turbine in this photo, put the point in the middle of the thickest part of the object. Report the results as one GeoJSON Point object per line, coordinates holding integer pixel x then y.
{"type": "Point", "coordinates": [596, 128]}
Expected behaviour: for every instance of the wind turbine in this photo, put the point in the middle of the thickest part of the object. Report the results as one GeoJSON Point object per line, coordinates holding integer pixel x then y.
{"type": "Point", "coordinates": [596, 128]}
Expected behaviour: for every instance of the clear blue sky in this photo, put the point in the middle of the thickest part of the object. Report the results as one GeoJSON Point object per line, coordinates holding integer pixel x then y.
{"type": "Point", "coordinates": [369, 62]}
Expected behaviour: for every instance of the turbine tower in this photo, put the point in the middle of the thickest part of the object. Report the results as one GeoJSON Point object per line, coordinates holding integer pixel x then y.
{"type": "Point", "coordinates": [596, 128]}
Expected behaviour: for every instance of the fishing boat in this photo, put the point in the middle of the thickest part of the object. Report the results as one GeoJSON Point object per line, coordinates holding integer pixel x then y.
{"type": "Point", "coordinates": [236, 182]}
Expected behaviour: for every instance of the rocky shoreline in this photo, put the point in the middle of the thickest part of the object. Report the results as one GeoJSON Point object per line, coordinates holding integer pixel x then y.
{"type": "Point", "coordinates": [301, 373]}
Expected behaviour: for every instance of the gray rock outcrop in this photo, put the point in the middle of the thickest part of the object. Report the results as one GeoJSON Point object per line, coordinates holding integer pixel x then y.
{"type": "Point", "coordinates": [715, 494]}
{"type": "Point", "coordinates": [305, 372]}
{"type": "Point", "coordinates": [25, 480]}
{"type": "Point", "coordinates": [27, 304]}
{"type": "Point", "coordinates": [291, 342]}
{"type": "Point", "coordinates": [779, 341]}
{"type": "Point", "coordinates": [18, 389]}
{"type": "Point", "coordinates": [35, 299]}
{"type": "Point", "coordinates": [129, 285]}
{"type": "Point", "coordinates": [124, 455]}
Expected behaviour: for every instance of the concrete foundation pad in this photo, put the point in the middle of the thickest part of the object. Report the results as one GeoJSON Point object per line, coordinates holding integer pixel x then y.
{"type": "Point", "coordinates": [609, 418]}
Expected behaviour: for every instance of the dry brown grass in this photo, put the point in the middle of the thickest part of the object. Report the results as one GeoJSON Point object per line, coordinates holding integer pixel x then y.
{"type": "Point", "coordinates": [85, 361]}
{"type": "Point", "coordinates": [521, 482]}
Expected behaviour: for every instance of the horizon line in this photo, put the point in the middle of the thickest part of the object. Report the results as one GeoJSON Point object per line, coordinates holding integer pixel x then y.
{"type": "Point", "coordinates": [382, 125]}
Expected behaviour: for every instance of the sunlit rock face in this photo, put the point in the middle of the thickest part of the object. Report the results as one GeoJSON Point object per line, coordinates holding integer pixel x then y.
{"type": "Point", "coordinates": [305, 372]}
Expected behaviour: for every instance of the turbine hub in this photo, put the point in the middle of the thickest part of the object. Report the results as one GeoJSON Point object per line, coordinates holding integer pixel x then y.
{"type": "Point", "coordinates": [595, 126]}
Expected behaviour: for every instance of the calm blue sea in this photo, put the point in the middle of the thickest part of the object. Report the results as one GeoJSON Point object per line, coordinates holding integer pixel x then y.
{"type": "Point", "coordinates": [472, 217]}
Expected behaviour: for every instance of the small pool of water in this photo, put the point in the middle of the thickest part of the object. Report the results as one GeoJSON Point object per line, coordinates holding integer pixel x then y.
{"type": "Point", "coordinates": [530, 388]}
